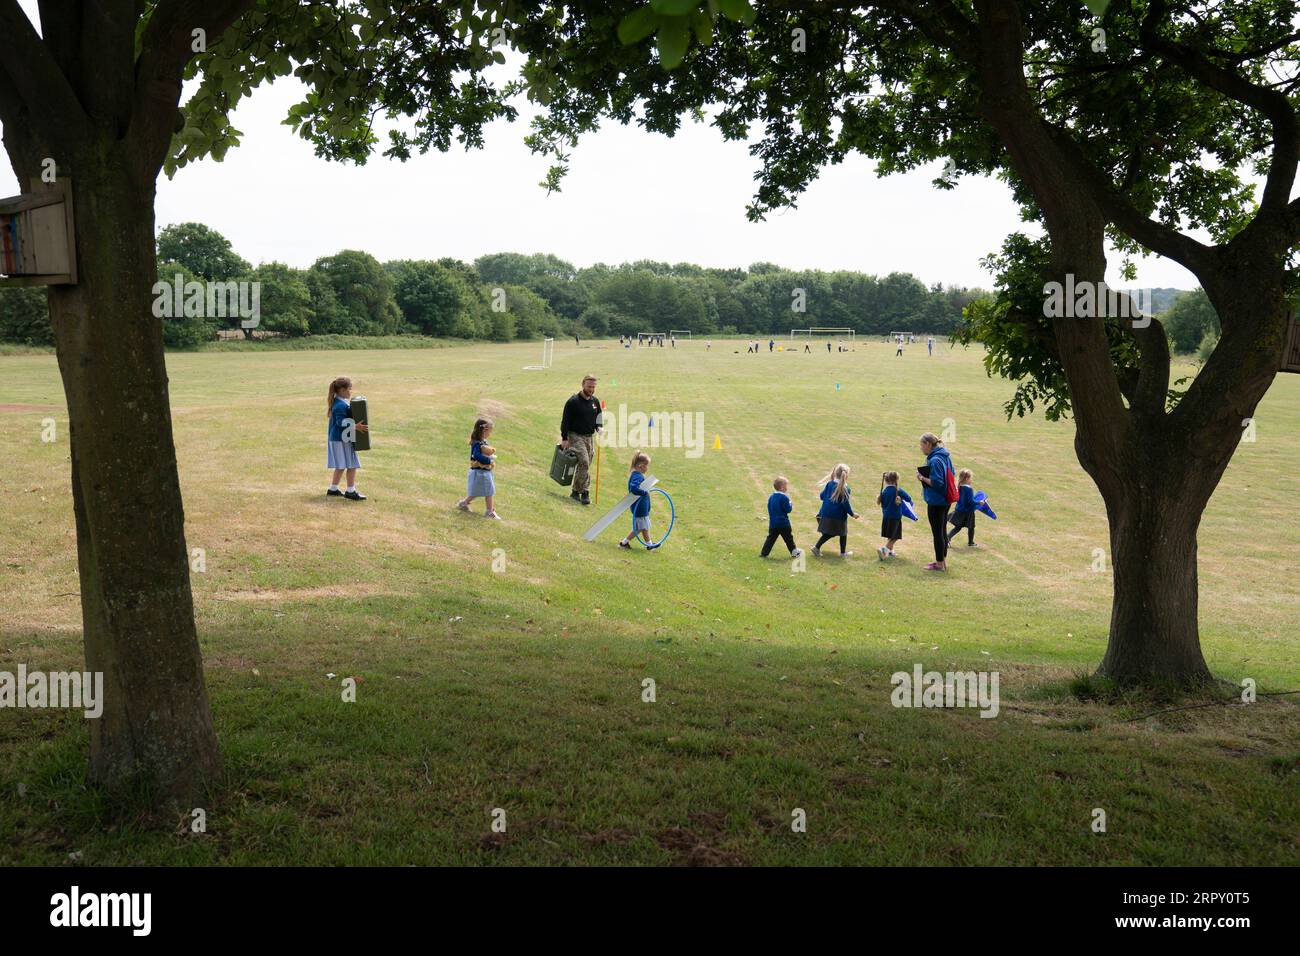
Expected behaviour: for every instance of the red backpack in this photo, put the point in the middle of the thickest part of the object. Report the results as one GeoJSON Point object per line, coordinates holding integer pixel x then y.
{"type": "Point", "coordinates": [950, 492]}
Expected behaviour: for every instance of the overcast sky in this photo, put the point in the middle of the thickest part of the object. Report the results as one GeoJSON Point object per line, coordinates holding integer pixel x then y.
{"type": "Point", "coordinates": [629, 195]}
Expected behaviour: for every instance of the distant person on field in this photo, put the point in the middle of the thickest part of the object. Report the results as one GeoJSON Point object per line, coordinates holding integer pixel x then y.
{"type": "Point", "coordinates": [771, 344]}
{"type": "Point", "coordinates": [778, 518]}
{"type": "Point", "coordinates": [929, 344]}
{"type": "Point", "coordinates": [340, 439]}
{"type": "Point", "coordinates": [578, 427]}
{"type": "Point", "coordinates": [836, 509]}
{"type": "Point", "coordinates": [963, 512]}
{"type": "Point", "coordinates": [828, 346]}
{"type": "Point", "coordinates": [482, 461]}
{"type": "Point", "coordinates": [807, 348]}
{"type": "Point", "coordinates": [891, 500]}
{"type": "Point", "coordinates": [935, 494]}
{"type": "Point", "coordinates": [900, 347]}
{"type": "Point", "coordinates": [640, 507]}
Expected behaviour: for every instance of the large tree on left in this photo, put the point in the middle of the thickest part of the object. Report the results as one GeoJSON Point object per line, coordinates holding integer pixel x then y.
{"type": "Point", "coordinates": [97, 90]}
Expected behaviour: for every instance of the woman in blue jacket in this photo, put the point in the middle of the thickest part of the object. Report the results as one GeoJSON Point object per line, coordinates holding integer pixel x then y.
{"type": "Point", "coordinates": [935, 493]}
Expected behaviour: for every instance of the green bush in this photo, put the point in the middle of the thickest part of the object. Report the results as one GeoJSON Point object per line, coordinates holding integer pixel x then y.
{"type": "Point", "coordinates": [181, 331]}
{"type": "Point", "coordinates": [25, 316]}
{"type": "Point", "coordinates": [1208, 344]}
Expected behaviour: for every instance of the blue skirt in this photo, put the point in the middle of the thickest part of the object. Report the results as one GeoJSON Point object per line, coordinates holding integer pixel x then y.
{"type": "Point", "coordinates": [341, 454]}
{"type": "Point", "coordinates": [480, 483]}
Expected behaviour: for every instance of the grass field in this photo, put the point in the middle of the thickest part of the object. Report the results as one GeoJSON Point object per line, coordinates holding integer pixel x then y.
{"type": "Point", "coordinates": [522, 690]}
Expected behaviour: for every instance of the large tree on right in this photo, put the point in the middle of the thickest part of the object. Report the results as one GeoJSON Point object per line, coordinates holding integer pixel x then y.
{"type": "Point", "coordinates": [1146, 123]}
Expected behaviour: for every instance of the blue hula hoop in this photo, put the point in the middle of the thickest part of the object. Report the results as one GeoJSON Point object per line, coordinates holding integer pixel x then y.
{"type": "Point", "coordinates": [672, 519]}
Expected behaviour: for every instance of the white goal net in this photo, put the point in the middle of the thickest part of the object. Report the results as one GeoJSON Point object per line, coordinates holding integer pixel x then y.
{"type": "Point", "coordinates": [548, 357]}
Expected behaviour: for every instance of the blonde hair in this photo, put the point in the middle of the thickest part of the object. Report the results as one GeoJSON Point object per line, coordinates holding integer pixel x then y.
{"type": "Point", "coordinates": [840, 475]}
{"type": "Point", "coordinates": [339, 383]}
{"type": "Point", "coordinates": [931, 439]}
{"type": "Point", "coordinates": [964, 476]}
{"type": "Point", "coordinates": [640, 458]}
{"type": "Point", "coordinates": [778, 481]}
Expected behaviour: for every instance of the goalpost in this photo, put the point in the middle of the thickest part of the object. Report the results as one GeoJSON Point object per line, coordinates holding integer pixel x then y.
{"type": "Point", "coordinates": [654, 338]}
{"type": "Point", "coordinates": [673, 333]}
{"type": "Point", "coordinates": [548, 357]}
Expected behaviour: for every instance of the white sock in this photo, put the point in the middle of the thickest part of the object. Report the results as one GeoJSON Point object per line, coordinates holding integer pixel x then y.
{"type": "Point", "coordinates": [334, 487]}
{"type": "Point", "coordinates": [352, 487]}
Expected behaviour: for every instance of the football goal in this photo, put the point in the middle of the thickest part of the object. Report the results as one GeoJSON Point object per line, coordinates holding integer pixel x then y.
{"type": "Point", "coordinates": [675, 333]}
{"type": "Point", "coordinates": [651, 338]}
{"type": "Point", "coordinates": [548, 357]}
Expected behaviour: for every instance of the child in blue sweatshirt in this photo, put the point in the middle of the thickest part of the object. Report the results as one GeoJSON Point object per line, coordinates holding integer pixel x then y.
{"type": "Point", "coordinates": [778, 518]}
{"type": "Point", "coordinates": [891, 500]}
{"type": "Point", "coordinates": [836, 510]}
{"type": "Point", "coordinates": [340, 439]}
{"type": "Point", "coordinates": [641, 507]}
{"type": "Point", "coordinates": [482, 460]}
{"type": "Point", "coordinates": [963, 512]}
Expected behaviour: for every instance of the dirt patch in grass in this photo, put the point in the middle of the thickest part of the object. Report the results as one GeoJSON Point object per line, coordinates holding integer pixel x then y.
{"type": "Point", "coordinates": [616, 836]}
{"type": "Point", "coordinates": [696, 845]}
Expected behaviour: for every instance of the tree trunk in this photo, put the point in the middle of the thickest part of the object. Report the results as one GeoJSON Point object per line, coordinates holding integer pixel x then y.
{"type": "Point", "coordinates": [137, 610]}
{"type": "Point", "coordinates": [1154, 636]}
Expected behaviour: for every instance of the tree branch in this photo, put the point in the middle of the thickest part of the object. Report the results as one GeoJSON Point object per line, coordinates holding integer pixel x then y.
{"type": "Point", "coordinates": [94, 45]}
{"type": "Point", "coordinates": [1156, 236]}
{"type": "Point", "coordinates": [1274, 105]}
{"type": "Point", "coordinates": [166, 48]}
{"type": "Point", "coordinates": [1152, 389]}
{"type": "Point", "coordinates": [34, 75]}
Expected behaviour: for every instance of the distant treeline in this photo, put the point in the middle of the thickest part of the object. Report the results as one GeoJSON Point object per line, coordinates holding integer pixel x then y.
{"type": "Point", "coordinates": [507, 296]}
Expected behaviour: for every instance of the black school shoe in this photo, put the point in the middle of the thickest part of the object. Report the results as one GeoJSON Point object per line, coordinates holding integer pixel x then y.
{"type": "Point", "coordinates": [586, 497]}
{"type": "Point", "coordinates": [333, 493]}
{"type": "Point", "coordinates": [354, 496]}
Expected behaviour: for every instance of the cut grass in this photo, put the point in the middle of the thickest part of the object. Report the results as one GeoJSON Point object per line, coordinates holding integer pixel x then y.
{"type": "Point", "coordinates": [522, 690]}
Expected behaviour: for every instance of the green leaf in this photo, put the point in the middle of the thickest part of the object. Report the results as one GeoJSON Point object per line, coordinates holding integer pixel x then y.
{"type": "Point", "coordinates": [1098, 6]}
{"type": "Point", "coordinates": [703, 24]}
{"type": "Point", "coordinates": [738, 10]}
{"type": "Point", "coordinates": [674, 37]}
{"type": "Point", "coordinates": [637, 25]}
{"type": "Point", "coordinates": [674, 8]}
